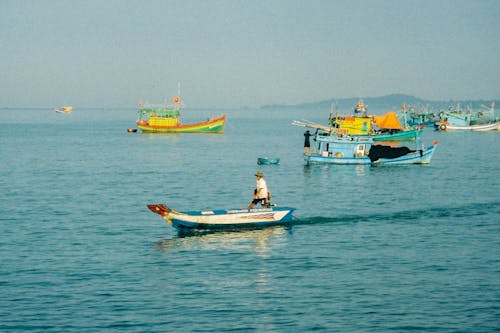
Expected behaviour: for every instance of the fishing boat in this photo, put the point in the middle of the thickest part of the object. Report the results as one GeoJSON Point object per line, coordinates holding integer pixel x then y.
{"type": "Point", "coordinates": [230, 218]}
{"type": "Point", "coordinates": [64, 109]}
{"type": "Point", "coordinates": [166, 119]}
{"type": "Point", "coordinates": [378, 128]}
{"type": "Point", "coordinates": [390, 129]}
{"type": "Point", "coordinates": [332, 149]}
{"type": "Point", "coordinates": [458, 119]}
{"type": "Point", "coordinates": [360, 108]}
{"type": "Point", "coordinates": [446, 126]}
{"type": "Point", "coordinates": [267, 160]}
{"type": "Point", "coordinates": [385, 127]}
{"type": "Point", "coordinates": [422, 117]}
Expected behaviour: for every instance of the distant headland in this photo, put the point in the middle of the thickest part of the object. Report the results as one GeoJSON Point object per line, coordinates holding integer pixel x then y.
{"type": "Point", "coordinates": [388, 102]}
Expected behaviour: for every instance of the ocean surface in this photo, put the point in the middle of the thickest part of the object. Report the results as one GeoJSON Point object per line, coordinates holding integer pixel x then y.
{"type": "Point", "coordinates": [373, 249]}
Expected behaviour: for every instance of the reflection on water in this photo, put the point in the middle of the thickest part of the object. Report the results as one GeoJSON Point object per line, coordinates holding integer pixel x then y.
{"type": "Point", "coordinates": [260, 241]}
{"type": "Point", "coordinates": [360, 170]}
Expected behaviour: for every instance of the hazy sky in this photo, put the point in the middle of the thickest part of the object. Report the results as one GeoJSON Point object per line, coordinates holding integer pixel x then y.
{"type": "Point", "coordinates": [233, 53]}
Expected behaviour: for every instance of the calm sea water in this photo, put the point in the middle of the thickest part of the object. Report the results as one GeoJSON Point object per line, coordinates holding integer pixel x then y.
{"type": "Point", "coordinates": [412, 248]}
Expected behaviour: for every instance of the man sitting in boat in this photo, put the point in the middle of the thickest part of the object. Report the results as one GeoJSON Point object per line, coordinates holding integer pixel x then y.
{"type": "Point", "coordinates": [260, 194]}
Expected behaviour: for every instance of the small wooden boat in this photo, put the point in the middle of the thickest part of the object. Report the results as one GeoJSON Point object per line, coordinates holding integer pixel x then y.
{"type": "Point", "coordinates": [231, 218]}
{"type": "Point", "coordinates": [331, 149]}
{"type": "Point", "coordinates": [267, 160]}
{"type": "Point", "coordinates": [64, 109]}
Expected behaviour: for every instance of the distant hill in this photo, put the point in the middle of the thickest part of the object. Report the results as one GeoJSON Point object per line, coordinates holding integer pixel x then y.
{"type": "Point", "coordinates": [391, 102]}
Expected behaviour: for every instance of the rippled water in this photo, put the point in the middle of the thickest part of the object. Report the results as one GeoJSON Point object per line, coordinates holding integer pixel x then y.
{"type": "Point", "coordinates": [373, 249]}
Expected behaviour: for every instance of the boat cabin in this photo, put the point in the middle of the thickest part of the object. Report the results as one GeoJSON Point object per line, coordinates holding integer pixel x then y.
{"type": "Point", "coordinates": [343, 147]}
{"type": "Point", "coordinates": [158, 117]}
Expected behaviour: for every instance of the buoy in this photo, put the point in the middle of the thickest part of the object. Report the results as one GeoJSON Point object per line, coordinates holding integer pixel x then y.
{"type": "Point", "coordinates": [442, 127]}
{"type": "Point", "coordinates": [132, 130]}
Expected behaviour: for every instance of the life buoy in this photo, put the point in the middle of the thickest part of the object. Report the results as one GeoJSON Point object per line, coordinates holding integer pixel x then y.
{"type": "Point", "coordinates": [442, 127]}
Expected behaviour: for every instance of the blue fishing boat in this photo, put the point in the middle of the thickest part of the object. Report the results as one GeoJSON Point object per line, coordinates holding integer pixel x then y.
{"type": "Point", "coordinates": [421, 117]}
{"type": "Point", "coordinates": [332, 149]}
{"type": "Point", "coordinates": [457, 118]}
{"type": "Point", "coordinates": [225, 218]}
{"type": "Point", "coordinates": [267, 160]}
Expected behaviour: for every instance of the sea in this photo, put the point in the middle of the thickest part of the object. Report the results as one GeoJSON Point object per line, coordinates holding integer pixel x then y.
{"type": "Point", "coordinates": [371, 249]}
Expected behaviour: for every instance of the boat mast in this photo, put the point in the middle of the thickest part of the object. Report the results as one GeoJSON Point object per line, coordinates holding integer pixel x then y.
{"type": "Point", "coordinates": [404, 116]}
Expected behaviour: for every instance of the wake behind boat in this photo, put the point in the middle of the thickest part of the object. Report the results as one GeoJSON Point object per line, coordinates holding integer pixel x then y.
{"type": "Point", "coordinates": [231, 218]}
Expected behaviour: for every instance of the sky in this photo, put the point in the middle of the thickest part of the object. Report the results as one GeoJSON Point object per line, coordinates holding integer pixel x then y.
{"type": "Point", "coordinates": [245, 53]}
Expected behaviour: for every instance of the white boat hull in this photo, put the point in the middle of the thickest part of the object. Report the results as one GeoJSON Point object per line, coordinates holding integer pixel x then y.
{"type": "Point", "coordinates": [225, 218]}
{"type": "Point", "coordinates": [478, 128]}
{"type": "Point", "coordinates": [417, 157]}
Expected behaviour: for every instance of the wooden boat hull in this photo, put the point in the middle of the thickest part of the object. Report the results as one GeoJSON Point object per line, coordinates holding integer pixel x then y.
{"type": "Point", "coordinates": [406, 135]}
{"type": "Point", "coordinates": [232, 218]}
{"type": "Point", "coordinates": [215, 125]}
{"type": "Point", "coordinates": [441, 126]}
{"type": "Point", "coordinates": [417, 157]}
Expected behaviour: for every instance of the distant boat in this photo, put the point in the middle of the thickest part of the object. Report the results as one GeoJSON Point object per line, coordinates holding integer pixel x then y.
{"type": "Point", "coordinates": [360, 108]}
{"type": "Point", "coordinates": [231, 218]}
{"type": "Point", "coordinates": [267, 160]}
{"type": "Point", "coordinates": [444, 126]}
{"type": "Point", "coordinates": [422, 117]}
{"type": "Point", "coordinates": [458, 119]}
{"type": "Point", "coordinates": [64, 109]}
{"type": "Point", "coordinates": [331, 149]}
{"type": "Point", "coordinates": [166, 119]}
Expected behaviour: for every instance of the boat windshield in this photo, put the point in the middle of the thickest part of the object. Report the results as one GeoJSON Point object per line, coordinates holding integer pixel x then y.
{"type": "Point", "coordinates": [164, 113]}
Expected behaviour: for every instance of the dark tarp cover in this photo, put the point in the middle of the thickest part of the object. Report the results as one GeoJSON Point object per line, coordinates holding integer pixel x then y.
{"type": "Point", "coordinates": [380, 151]}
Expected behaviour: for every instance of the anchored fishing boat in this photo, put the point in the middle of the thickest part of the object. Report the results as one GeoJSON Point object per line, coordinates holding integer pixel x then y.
{"type": "Point", "coordinates": [421, 117]}
{"type": "Point", "coordinates": [446, 126]}
{"type": "Point", "coordinates": [166, 119]}
{"type": "Point", "coordinates": [385, 127]}
{"type": "Point", "coordinates": [387, 133]}
{"type": "Point", "coordinates": [332, 149]}
{"type": "Point", "coordinates": [231, 218]}
{"type": "Point", "coordinates": [458, 119]}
